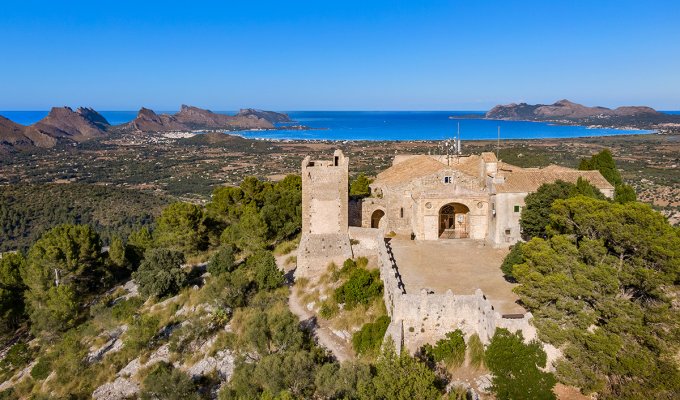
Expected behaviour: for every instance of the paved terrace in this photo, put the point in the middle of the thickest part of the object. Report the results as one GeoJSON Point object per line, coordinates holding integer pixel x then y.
{"type": "Point", "coordinates": [462, 265]}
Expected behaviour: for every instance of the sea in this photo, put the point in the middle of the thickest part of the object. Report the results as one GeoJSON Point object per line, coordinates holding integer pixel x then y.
{"type": "Point", "coordinates": [386, 125]}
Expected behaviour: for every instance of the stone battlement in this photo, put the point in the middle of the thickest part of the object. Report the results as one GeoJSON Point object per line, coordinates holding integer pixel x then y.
{"type": "Point", "coordinates": [425, 317]}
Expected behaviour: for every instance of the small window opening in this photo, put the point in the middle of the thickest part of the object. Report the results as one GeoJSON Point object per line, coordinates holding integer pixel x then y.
{"type": "Point", "coordinates": [507, 231]}
{"type": "Point", "coordinates": [517, 208]}
{"type": "Point", "coordinates": [401, 212]}
{"type": "Point", "coordinates": [336, 160]}
{"type": "Point", "coordinates": [447, 179]}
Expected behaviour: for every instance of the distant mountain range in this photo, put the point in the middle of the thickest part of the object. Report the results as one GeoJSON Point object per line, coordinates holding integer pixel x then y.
{"type": "Point", "coordinates": [567, 112]}
{"type": "Point", "coordinates": [63, 125]}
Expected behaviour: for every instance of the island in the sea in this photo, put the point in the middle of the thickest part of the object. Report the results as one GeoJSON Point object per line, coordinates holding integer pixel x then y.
{"type": "Point", "coordinates": [570, 113]}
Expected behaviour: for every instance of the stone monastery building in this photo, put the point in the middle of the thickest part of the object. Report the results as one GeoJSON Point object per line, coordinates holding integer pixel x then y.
{"type": "Point", "coordinates": [450, 197]}
{"type": "Point", "coordinates": [426, 197]}
{"type": "Point", "coordinates": [422, 197]}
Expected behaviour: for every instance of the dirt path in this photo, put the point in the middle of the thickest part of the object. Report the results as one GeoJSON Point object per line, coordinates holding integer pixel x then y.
{"type": "Point", "coordinates": [324, 335]}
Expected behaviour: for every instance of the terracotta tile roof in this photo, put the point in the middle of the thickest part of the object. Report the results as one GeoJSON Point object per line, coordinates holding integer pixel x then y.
{"type": "Point", "coordinates": [520, 180]}
{"type": "Point", "coordinates": [469, 165]}
{"type": "Point", "coordinates": [409, 169]}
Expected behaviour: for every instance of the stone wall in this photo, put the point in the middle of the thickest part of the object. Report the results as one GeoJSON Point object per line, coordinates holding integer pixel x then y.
{"type": "Point", "coordinates": [325, 195]}
{"type": "Point", "coordinates": [419, 318]}
{"type": "Point", "coordinates": [325, 215]}
{"type": "Point", "coordinates": [503, 220]}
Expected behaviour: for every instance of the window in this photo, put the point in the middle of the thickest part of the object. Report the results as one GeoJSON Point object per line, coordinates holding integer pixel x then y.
{"type": "Point", "coordinates": [447, 180]}
{"type": "Point", "coordinates": [517, 208]}
{"type": "Point", "coordinates": [335, 160]}
{"type": "Point", "coordinates": [401, 212]}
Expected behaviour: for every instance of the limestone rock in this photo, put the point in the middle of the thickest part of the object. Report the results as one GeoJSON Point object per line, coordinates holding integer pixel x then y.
{"type": "Point", "coordinates": [119, 389]}
{"type": "Point", "coordinates": [111, 346]}
{"type": "Point", "coordinates": [484, 383]}
{"type": "Point", "coordinates": [222, 362]}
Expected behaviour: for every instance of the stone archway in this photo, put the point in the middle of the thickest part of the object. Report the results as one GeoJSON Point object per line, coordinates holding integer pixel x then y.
{"type": "Point", "coordinates": [454, 221]}
{"type": "Point", "coordinates": [376, 218]}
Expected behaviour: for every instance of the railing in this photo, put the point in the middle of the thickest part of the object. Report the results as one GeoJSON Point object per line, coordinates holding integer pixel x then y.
{"type": "Point", "coordinates": [393, 263]}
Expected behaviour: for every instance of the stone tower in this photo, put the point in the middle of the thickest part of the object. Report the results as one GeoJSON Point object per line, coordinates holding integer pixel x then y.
{"type": "Point", "coordinates": [325, 195]}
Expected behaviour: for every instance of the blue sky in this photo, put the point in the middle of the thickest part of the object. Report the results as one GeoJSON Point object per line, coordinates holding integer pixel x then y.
{"type": "Point", "coordinates": [337, 55]}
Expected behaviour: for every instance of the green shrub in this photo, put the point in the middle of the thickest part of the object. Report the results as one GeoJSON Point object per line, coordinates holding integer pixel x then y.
{"type": "Point", "coordinates": [141, 331]}
{"type": "Point", "coordinates": [41, 369]}
{"type": "Point", "coordinates": [125, 309]}
{"type": "Point", "coordinates": [362, 262]}
{"type": "Point", "coordinates": [513, 258]}
{"type": "Point", "coordinates": [328, 309]}
{"type": "Point", "coordinates": [161, 273]}
{"type": "Point", "coordinates": [370, 337]}
{"type": "Point", "coordinates": [360, 288]}
{"type": "Point", "coordinates": [515, 367]}
{"type": "Point", "coordinates": [348, 266]}
{"type": "Point", "coordinates": [223, 261]}
{"type": "Point", "coordinates": [17, 356]}
{"type": "Point", "coordinates": [267, 274]}
{"type": "Point", "coordinates": [476, 351]}
{"type": "Point", "coordinates": [165, 382]}
{"type": "Point", "coordinates": [359, 187]}
{"type": "Point", "coordinates": [450, 350]}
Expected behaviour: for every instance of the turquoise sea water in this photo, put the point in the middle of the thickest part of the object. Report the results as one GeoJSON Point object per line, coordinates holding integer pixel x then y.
{"type": "Point", "coordinates": [385, 125]}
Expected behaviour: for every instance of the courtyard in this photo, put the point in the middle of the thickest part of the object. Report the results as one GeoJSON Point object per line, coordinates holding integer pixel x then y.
{"type": "Point", "coordinates": [462, 265]}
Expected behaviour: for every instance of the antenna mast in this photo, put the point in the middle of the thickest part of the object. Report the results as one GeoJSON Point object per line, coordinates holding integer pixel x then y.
{"type": "Point", "coordinates": [458, 150]}
{"type": "Point", "coordinates": [498, 144]}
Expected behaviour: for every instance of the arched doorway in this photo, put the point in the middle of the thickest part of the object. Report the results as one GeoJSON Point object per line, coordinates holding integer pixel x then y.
{"type": "Point", "coordinates": [376, 217]}
{"type": "Point", "coordinates": [453, 221]}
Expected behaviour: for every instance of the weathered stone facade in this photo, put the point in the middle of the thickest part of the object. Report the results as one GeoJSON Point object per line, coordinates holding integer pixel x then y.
{"type": "Point", "coordinates": [436, 197]}
{"type": "Point", "coordinates": [325, 213]}
{"type": "Point", "coordinates": [427, 198]}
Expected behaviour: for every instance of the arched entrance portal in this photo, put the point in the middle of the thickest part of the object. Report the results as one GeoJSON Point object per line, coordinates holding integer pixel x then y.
{"type": "Point", "coordinates": [453, 221]}
{"type": "Point", "coordinates": [376, 217]}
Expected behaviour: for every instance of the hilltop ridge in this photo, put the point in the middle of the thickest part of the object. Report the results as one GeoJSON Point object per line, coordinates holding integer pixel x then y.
{"type": "Point", "coordinates": [64, 125]}
{"type": "Point", "coordinates": [568, 112]}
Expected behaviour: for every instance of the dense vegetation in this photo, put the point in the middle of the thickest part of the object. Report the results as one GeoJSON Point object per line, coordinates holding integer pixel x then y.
{"type": "Point", "coordinates": [450, 350]}
{"type": "Point", "coordinates": [604, 162]}
{"type": "Point", "coordinates": [600, 278]}
{"type": "Point", "coordinates": [536, 212]}
{"type": "Point", "coordinates": [515, 368]}
{"type": "Point", "coordinates": [27, 211]}
{"type": "Point", "coordinates": [359, 187]}
{"type": "Point", "coordinates": [65, 280]}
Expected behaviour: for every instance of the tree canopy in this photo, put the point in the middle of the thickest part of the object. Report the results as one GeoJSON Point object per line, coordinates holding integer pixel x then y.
{"type": "Point", "coordinates": [65, 263]}
{"type": "Point", "coordinates": [605, 163]}
{"type": "Point", "coordinates": [600, 286]}
{"type": "Point", "coordinates": [536, 212]}
{"type": "Point", "coordinates": [161, 273]}
{"type": "Point", "coordinates": [359, 187]}
{"type": "Point", "coordinates": [515, 368]}
{"type": "Point", "coordinates": [11, 290]}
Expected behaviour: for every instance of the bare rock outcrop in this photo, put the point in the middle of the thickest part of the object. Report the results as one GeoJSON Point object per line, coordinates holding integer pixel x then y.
{"type": "Point", "coordinates": [193, 118]}
{"type": "Point", "coordinates": [120, 389]}
{"type": "Point", "coordinates": [62, 123]}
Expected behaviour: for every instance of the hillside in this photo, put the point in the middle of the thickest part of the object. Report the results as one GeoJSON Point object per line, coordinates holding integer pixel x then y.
{"type": "Point", "coordinates": [64, 125]}
{"type": "Point", "coordinates": [26, 211]}
{"type": "Point", "coordinates": [13, 135]}
{"type": "Point", "coordinates": [565, 111]}
{"type": "Point", "coordinates": [194, 118]}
